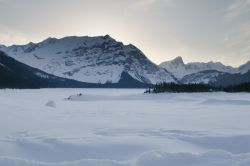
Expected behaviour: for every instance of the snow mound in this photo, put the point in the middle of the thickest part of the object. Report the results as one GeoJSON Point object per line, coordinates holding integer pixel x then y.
{"type": "Point", "coordinates": [51, 104]}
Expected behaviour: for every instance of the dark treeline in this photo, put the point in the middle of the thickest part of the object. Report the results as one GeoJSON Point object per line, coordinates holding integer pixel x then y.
{"type": "Point", "coordinates": [180, 88]}
{"type": "Point", "coordinates": [244, 87]}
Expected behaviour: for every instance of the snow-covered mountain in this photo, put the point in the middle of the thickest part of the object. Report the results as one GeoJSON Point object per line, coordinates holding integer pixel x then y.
{"type": "Point", "coordinates": [204, 77]}
{"type": "Point", "coordinates": [176, 67]}
{"type": "Point", "coordinates": [179, 69]}
{"type": "Point", "coordinates": [89, 59]}
{"type": "Point", "coordinates": [207, 73]}
{"type": "Point", "coordinates": [216, 78]}
{"type": "Point", "coordinates": [244, 68]}
{"type": "Point", "coordinates": [15, 74]}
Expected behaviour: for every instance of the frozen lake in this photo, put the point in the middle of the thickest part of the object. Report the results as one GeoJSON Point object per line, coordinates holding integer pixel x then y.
{"type": "Point", "coordinates": [57, 127]}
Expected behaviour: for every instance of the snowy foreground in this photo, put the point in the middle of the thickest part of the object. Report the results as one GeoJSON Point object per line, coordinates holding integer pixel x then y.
{"type": "Point", "coordinates": [112, 127]}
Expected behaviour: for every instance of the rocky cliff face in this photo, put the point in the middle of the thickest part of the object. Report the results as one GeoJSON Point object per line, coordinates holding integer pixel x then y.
{"type": "Point", "coordinates": [89, 59]}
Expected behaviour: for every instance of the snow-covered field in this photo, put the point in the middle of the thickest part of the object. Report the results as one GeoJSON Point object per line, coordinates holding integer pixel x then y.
{"type": "Point", "coordinates": [124, 127]}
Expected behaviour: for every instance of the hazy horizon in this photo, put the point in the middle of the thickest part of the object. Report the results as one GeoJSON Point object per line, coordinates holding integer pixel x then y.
{"type": "Point", "coordinates": [196, 30]}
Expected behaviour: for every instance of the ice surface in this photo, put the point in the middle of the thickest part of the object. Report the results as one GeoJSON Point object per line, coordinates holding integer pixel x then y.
{"type": "Point", "coordinates": [123, 127]}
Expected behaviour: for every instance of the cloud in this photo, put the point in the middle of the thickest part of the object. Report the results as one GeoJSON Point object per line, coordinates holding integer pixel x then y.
{"type": "Point", "coordinates": [9, 36]}
{"type": "Point", "coordinates": [237, 35]}
{"type": "Point", "coordinates": [238, 41]}
{"type": "Point", "coordinates": [237, 9]}
{"type": "Point", "coordinates": [145, 4]}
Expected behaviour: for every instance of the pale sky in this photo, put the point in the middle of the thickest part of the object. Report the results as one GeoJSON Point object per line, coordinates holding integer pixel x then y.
{"type": "Point", "coordinates": [197, 30]}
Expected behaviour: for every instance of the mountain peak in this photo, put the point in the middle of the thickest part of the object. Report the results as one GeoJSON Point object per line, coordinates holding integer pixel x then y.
{"type": "Point", "coordinates": [107, 37]}
{"type": "Point", "coordinates": [178, 60]}
{"type": "Point", "coordinates": [49, 40]}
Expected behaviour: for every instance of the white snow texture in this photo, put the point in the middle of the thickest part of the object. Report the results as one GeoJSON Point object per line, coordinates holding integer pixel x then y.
{"type": "Point", "coordinates": [123, 127]}
{"type": "Point", "coordinates": [98, 59]}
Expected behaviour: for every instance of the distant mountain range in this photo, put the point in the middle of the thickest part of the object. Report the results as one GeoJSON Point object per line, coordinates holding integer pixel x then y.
{"type": "Point", "coordinates": [207, 73]}
{"type": "Point", "coordinates": [179, 69]}
{"type": "Point", "coordinates": [103, 62]}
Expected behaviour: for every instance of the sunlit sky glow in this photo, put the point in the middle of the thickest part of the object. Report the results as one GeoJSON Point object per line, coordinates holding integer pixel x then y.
{"type": "Point", "coordinates": [197, 30]}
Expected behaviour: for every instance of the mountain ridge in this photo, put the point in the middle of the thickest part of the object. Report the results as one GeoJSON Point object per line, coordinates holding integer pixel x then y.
{"type": "Point", "coordinates": [180, 69]}
{"type": "Point", "coordinates": [103, 60]}
{"type": "Point", "coordinates": [99, 59]}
